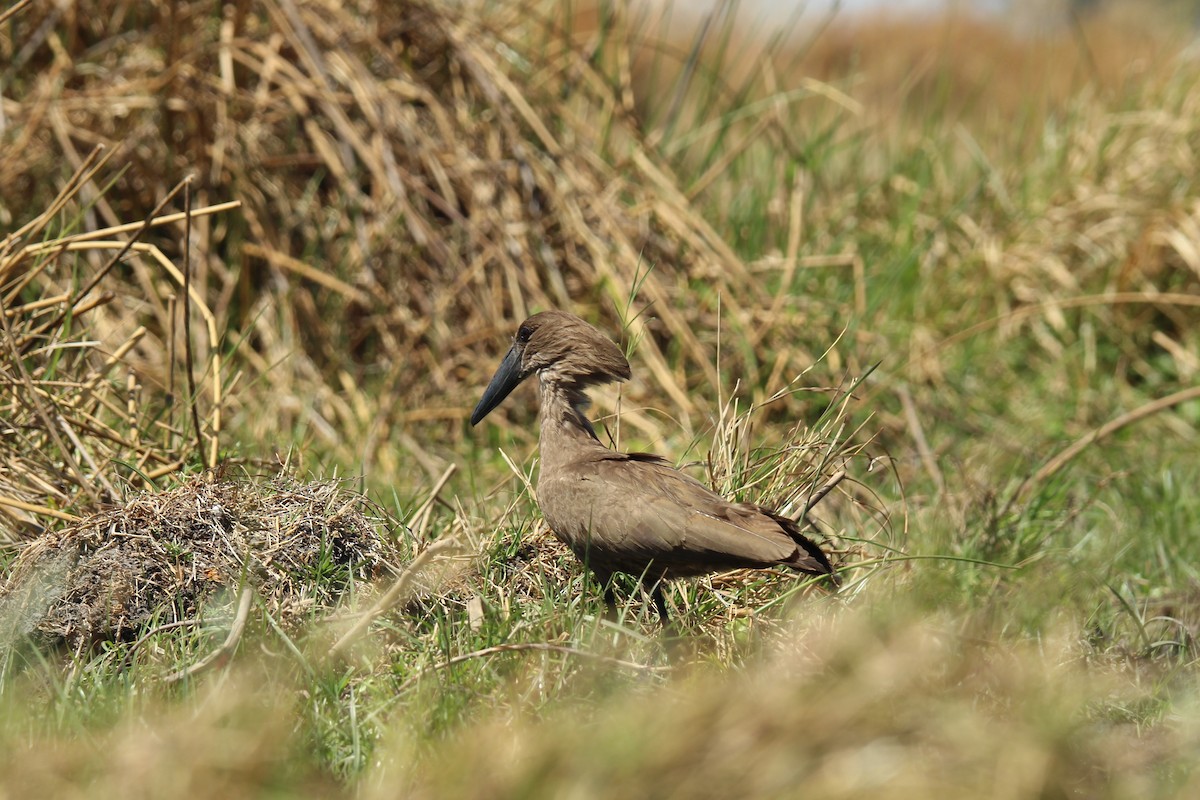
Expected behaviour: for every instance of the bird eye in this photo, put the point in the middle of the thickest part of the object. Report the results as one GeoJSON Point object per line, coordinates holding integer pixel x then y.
{"type": "Point", "coordinates": [523, 333]}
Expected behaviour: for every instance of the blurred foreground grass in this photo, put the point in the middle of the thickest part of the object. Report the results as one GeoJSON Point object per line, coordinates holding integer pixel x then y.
{"type": "Point", "coordinates": [1021, 260]}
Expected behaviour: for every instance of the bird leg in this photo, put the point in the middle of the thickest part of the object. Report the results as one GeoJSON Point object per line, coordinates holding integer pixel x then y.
{"type": "Point", "coordinates": [660, 603]}
{"type": "Point", "coordinates": [610, 600]}
{"type": "Point", "coordinates": [605, 579]}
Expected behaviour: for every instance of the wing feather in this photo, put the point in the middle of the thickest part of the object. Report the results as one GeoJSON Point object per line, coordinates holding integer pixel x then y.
{"type": "Point", "coordinates": [642, 509]}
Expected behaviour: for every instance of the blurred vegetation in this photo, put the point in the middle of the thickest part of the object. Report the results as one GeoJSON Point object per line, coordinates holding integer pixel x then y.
{"type": "Point", "coordinates": [1006, 222]}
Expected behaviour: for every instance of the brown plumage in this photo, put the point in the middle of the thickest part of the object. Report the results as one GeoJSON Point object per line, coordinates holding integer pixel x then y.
{"type": "Point", "coordinates": [628, 512]}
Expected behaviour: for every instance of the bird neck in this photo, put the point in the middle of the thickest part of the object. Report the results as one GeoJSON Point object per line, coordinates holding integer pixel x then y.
{"type": "Point", "coordinates": [565, 426]}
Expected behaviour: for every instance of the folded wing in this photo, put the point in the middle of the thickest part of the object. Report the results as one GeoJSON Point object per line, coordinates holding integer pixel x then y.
{"type": "Point", "coordinates": [643, 509]}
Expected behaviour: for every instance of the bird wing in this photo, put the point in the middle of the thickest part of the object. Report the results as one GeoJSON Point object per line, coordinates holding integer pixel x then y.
{"type": "Point", "coordinates": [643, 509]}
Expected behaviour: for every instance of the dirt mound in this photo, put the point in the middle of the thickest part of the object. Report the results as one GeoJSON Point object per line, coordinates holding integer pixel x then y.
{"type": "Point", "coordinates": [163, 555]}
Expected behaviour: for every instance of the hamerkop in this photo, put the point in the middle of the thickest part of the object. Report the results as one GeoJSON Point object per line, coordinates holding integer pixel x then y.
{"type": "Point", "coordinates": [628, 512]}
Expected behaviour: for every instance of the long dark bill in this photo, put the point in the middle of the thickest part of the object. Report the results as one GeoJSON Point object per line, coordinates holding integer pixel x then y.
{"type": "Point", "coordinates": [507, 376]}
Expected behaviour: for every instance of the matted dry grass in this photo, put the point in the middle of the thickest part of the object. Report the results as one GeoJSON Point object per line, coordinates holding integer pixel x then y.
{"type": "Point", "coordinates": [162, 556]}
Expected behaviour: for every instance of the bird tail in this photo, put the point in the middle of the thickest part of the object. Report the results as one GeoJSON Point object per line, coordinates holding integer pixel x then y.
{"type": "Point", "coordinates": [809, 558]}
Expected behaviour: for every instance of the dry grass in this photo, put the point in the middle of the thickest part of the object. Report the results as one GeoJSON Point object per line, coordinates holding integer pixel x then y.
{"type": "Point", "coordinates": [80, 423]}
{"type": "Point", "coordinates": [161, 557]}
{"type": "Point", "coordinates": [403, 201]}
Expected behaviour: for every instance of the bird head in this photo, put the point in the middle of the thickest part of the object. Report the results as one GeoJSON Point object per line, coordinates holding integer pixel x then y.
{"type": "Point", "coordinates": [561, 348]}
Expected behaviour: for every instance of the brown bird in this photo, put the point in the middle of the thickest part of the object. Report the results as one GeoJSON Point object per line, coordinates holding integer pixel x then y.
{"type": "Point", "coordinates": [629, 512]}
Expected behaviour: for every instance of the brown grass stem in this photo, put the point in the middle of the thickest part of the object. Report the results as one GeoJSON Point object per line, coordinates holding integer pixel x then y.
{"type": "Point", "coordinates": [1069, 453]}
{"type": "Point", "coordinates": [115, 259]}
{"type": "Point", "coordinates": [419, 520]}
{"type": "Point", "coordinates": [189, 369]}
{"type": "Point", "coordinates": [42, 511]}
